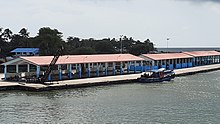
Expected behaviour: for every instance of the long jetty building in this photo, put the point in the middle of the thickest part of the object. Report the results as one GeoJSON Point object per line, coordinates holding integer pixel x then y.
{"type": "Point", "coordinates": [86, 66]}
{"type": "Point", "coordinates": [73, 66]}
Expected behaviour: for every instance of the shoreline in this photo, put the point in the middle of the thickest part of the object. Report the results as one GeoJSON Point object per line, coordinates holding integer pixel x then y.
{"type": "Point", "coordinates": [96, 81]}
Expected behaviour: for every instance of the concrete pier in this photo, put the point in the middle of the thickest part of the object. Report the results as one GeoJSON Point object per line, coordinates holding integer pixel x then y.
{"type": "Point", "coordinates": [117, 79]}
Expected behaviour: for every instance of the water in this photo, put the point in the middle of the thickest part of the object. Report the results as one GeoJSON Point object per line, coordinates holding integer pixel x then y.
{"type": "Point", "coordinates": [190, 99]}
{"type": "Point", "coordinates": [186, 49]}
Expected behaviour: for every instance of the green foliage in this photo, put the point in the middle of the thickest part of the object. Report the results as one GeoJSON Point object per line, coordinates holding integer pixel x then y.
{"type": "Point", "coordinates": [104, 46]}
{"type": "Point", "coordinates": [49, 40]}
{"type": "Point", "coordinates": [84, 50]}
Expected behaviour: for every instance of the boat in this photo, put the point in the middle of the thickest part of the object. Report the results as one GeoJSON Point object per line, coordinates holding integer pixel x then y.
{"type": "Point", "coordinates": [159, 75]}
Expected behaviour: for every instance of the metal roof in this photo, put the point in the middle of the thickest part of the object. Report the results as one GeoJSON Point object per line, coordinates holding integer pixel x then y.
{"type": "Point", "coordinates": [31, 50]}
{"type": "Point", "coordinates": [203, 53]}
{"type": "Point", "coordinates": [165, 56]}
{"type": "Point", "coordinates": [76, 59]}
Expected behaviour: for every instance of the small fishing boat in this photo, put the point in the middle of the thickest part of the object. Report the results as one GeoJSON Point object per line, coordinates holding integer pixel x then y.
{"type": "Point", "coordinates": [159, 75]}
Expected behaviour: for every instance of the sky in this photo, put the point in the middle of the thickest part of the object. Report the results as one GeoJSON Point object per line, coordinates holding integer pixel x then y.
{"type": "Point", "coordinates": [186, 23]}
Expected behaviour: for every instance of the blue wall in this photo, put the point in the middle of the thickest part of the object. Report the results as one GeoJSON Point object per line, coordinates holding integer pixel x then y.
{"type": "Point", "coordinates": [132, 68]}
{"type": "Point", "coordinates": [163, 66]}
{"type": "Point", "coordinates": [138, 68]}
{"type": "Point", "coordinates": [190, 64]}
{"type": "Point", "coordinates": [184, 65]}
{"type": "Point", "coordinates": [147, 68]}
{"type": "Point", "coordinates": [155, 67]}
{"type": "Point", "coordinates": [171, 67]}
{"type": "Point", "coordinates": [178, 66]}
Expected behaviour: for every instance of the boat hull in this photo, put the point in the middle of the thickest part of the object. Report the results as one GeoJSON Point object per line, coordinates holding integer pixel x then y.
{"type": "Point", "coordinates": [152, 80]}
{"type": "Point", "coordinates": [157, 76]}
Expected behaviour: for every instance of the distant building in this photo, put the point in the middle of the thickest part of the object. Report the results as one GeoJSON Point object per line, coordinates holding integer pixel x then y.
{"type": "Point", "coordinates": [25, 52]}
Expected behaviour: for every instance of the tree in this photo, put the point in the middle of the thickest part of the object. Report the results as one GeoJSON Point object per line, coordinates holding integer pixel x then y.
{"type": "Point", "coordinates": [24, 33]}
{"type": "Point", "coordinates": [49, 41]}
{"type": "Point", "coordinates": [84, 50]}
{"type": "Point", "coordinates": [16, 41]}
{"type": "Point", "coordinates": [71, 44]}
{"type": "Point", "coordinates": [7, 35]}
{"type": "Point", "coordinates": [150, 45]}
{"type": "Point", "coordinates": [2, 42]}
{"type": "Point", "coordinates": [139, 49]}
{"type": "Point", "coordinates": [104, 46]}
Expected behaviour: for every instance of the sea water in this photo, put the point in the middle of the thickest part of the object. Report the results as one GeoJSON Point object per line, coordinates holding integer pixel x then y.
{"type": "Point", "coordinates": [187, 49]}
{"type": "Point", "coordinates": [190, 99]}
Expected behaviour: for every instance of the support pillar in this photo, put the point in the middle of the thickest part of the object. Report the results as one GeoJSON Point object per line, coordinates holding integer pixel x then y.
{"type": "Point", "coordinates": [97, 69]}
{"type": "Point", "coordinates": [113, 68]}
{"type": "Point", "coordinates": [38, 71]}
{"type": "Point", "coordinates": [70, 71]}
{"type": "Point", "coordinates": [218, 59]}
{"type": "Point", "coordinates": [89, 70]}
{"type": "Point", "coordinates": [17, 68]}
{"type": "Point", "coordinates": [142, 66]}
{"type": "Point", "coordinates": [49, 77]}
{"type": "Point", "coordinates": [76, 68]}
{"type": "Point", "coordinates": [128, 67]}
{"type": "Point", "coordinates": [28, 67]}
{"type": "Point", "coordinates": [80, 71]}
{"type": "Point", "coordinates": [60, 72]}
{"type": "Point", "coordinates": [135, 66]}
{"type": "Point", "coordinates": [106, 69]}
{"type": "Point", "coordinates": [121, 68]}
{"type": "Point", "coordinates": [5, 72]}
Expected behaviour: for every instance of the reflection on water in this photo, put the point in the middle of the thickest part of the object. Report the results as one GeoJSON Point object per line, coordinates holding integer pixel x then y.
{"type": "Point", "coordinates": [189, 99]}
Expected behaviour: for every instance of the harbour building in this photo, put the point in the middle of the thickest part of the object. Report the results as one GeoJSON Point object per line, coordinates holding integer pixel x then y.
{"type": "Point", "coordinates": [167, 60]}
{"type": "Point", "coordinates": [204, 57]}
{"type": "Point", "coordinates": [73, 66]}
{"type": "Point", "coordinates": [86, 66]}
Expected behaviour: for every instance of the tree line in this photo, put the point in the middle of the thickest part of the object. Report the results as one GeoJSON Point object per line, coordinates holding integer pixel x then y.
{"type": "Point", "coordinates": [50, 40]}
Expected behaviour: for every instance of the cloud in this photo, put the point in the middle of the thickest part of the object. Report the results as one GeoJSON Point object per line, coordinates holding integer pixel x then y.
{"type": "Point", "coordinates": [213, 5]}
{"type": "Point", "coordinates": [215, 1]}
{"type": "Point", "coordinates": [206, 0]}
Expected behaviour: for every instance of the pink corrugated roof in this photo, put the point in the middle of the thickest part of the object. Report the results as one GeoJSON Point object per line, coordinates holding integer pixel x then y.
{"type": "Point", "coordinates": [76, 59]}
{"type": "Point", "coordinates": [203, 53]}
{"type": "Point", "coordinates": [164, 56]}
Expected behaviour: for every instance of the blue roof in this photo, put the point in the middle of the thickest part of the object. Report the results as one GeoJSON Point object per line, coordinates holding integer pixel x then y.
{"type": "Point", "coordinates": [32, 50]}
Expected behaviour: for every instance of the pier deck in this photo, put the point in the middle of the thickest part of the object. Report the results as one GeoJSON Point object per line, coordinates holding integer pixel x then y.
{"type": "Point", "coordinates": [118, 79]}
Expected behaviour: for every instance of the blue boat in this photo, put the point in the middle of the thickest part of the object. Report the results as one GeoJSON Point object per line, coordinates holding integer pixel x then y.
{"type": "Point", "coordinates": [159, 75]}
